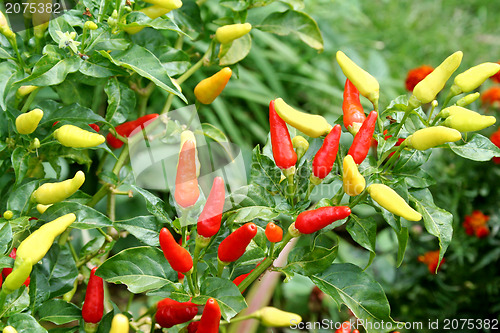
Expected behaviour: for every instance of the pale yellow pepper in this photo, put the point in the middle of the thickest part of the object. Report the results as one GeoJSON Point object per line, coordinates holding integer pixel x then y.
{"type": "Point", "coordinates": [393, 202]}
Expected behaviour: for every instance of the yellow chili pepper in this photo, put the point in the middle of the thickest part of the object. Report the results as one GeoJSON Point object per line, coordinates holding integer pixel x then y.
{"type": "Point", "coordinates": [8, 214]}
{"type": "Point", "coordinates": [152, 12]}
{"type": "Point", "coordinates": [431, 137]}
{"type": "Point", "coordinates": [301, 145]}
{"type": "Point", "coordinates": [25, 90]}
{"type": "Point", "coordinates": [28, 122]}
{"type": "Point", "coordinates": [42, 208]}
{"type": "Point", "coordinates": [228, 33]}
{"type": "Point", "coordinates": [75, 137]}
{"type": "Point", "coordinates": [474, 77]}
{"type": "Point", "coordinates": [167, 4]}
{"type": "Point", "coordinates": [90, 25]}
{"type": "Point", "coordinates": [120, 324]}
{"type": "Point", "coordinates": [390, 200]}
{"type": "Point", "coordinates": [468, 99]}
{"type": "Point", "coordinates": [366, 84]}
{"type": "Point", "coordinates": [309, 124]}
{"type": "Point", "coordinates": [20, 272]}
{"type": "Point", "coordinates": [50, 193]}
{"type": "Point", "coordinates": [5, 28]}
{"type": "Point", "coordinates": [354, 182]}
{"type": "Point", "coordinates": [273, 317]}
{"type": "Point", "coordinates": [9, 329]}
{"type": "Point", "coordinates": [427, 89]}
{"type": "Point", "coordinates": [465, 123]}
{"type": "Point", "coordinates": [36, 245]}
{"type": "Point", "coordinates": [208, 89]}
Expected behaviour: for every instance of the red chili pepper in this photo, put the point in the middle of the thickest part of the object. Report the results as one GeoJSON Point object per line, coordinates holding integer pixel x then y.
{"type": "Point", "coordinates": [93, 306]}
{"type": "Point", "coordinates": [283, 153]}
{"type": "Point", "coordinates": [325, 157]}
{"type": "Point", "coordinates": [354, 116]}
{"type": "Point", "coordinates": [186, 182]}
{"type": "Point", "coordinates": [193, 327]}
{"type": "Point", "coordinates": [362, 140]}
{"type": "Point", "coordinates": [8, 270]}
{"type": "Point", "coordinates": [180, 276]}
{"type": "Point", "coordinates": [210, 217]}
{"type": "Point", "coordinates": [313, 220]}
{"type": "Point", "coordinates": [210, 318]}
{"type": "Point", "coordinates": [170, 313]}
{"type": "Point", "coordinates": [127, 128]}
{"type": "Point", "coordinates": [234, 245]}
{"type": "Point", "coordinates": [177, 256]}
{"type": "Point", "coordinates": [95, 127]}
{"type": "Point", "coordinates": [274, 233]}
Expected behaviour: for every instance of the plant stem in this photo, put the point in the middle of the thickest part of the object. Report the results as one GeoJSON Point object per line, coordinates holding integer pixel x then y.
{"type": "Point", "coordinates": [310, 188]}
{"type": "Point", "coordinates": [394, 157]}
{"type": "Point", "coordinates": [29, 100]}
{"type": "Point", "coordinates": [408, 110]}
{"type": "Point", "coordinates": [189, 279]}
{"type": "Point", "coordinates": [220, 268]}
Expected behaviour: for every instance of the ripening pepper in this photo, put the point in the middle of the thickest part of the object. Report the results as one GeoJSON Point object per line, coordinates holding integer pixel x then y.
{"type": "Point", "coordinates": [234, 245]}
{"type": "Point", "coordinates": [119, 324]}
{"type": "Point", "coordinates": [314, 220]}
{"type": "Point", "coordinates": [474, 77]}
{"type": "Point", "coordinates": [177, 256]}
{"type": "Point", "coordinates": [390, 200]}
{"type": "Point", "coordinates": [353, 114]}
{"type": "Point", "coordinates": [25, 90]}
{"type": "Point", "coordinates": [309, 124]}
{"type": "Point", "coordinates": [273, 233]}
{"type": "Point", "coordinates": [430, 137]}
{"type": "Point", "coordinates": [210, 318]}
{"type": "Point", "coordinates": [167, 4]}
{"type": "Point", "coordinates": [152, 12]}
{"type": "Point", "coordinates": [6, 271]}
{"type": "Point", "coordinates": [301, 145]}
{"type": "Point", "coordinates": [170, 313]}
{"type": "Point", "coordinates": [230, 32]}
{"type": "Point", "coordinates": [186, 182]}
{"type": "Point", "coordinates": [366, 84]}
{"type": "Point", "coordinates": [284, 155]}
{"type": "Point", "coordinates": [50, 193]}
{"type": "Point", "coordinates": [20, 273]}
{"type": "Point", "coordinates": [75, 137]}
{"type": "Point", "coordinates": [9, 329]}
{"type": "Point", "coordinates": [363, 139]}
{"type": "Point", "coordinates": [93, 306]}
{"type": "Point", "coordinates": [272, 317]}
{"type": "Point", "coordinates": [427, 89]}
{"type": "Point", "coordinates": [5, 28]}
{"type": "Point", "coordinates": [325, 157]}
{"type": "Point", "coordinates": [90, 25]}
{"type": "Point", "coordinates": [208, 89]}
{"type": "Point", "coordinates": [354, 182]}
{"type": "Point", "coordinates": [211, 215]}
{"type": "Point", "coordinates": [128, 129]}
{"type": "Point", "coordinates": [36, 245]}
{"type": "Point", "coordinates": [468, 99]}
{"type": "Point", "coordinates": [28, 122]}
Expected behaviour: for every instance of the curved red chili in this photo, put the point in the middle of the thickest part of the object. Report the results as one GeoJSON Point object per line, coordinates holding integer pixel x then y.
{"type": "Point", "coordinates": [177, 256]}
{"type": "Point", "coordinates": [283, 153]}
{"type": "Point", "coordinates": [170, 313]}
{"type": "Point", "coordinates": [93, 306]}
{"type": "Point", "coordinates": [352, 109]}
{"type": "Point", "coordinates": [362, 140]}
{"type": "Point", "coordinates": [234, 245]}
{"type": "Point", "coordinates": [127, 128]}
{"type": "Point", "coordinates": [325, 157]}
{"type": "Point", "coordinates": [210, 217]}
{"type": "Point", "coordinates": [210, 318]}
{"type": "Point", "coordinates": [313, 220]}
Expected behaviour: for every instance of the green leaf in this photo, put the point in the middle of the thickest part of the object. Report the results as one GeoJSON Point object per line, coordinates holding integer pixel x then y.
{"type": "Point", "coordinates": [438, 222]}
{"type": "Point", "coordinates": [59, 267]}
{"type": "Point", "coordinates": [138, 19]}
{"type": "Point", "coordinates": [4, 54]}
{"type": "Point", "coordinates": [121, 101]}
{"type": "Point", "coordinates": [174, 61]}
{"type": "Point", "coordinates": [51, 70]}
{"type": "Point", "coordinates": [25, 323]}
{"type": "Point", "coordinates": [59, 312]}
{"type": "Point", "coordinates": [235, 51]}
{"type": "Point", "coordinates": [19, 199]}
{"type": "Point", "coordinates": [5, 236]}
{"type": "Point", "coordinates": [16, 302]}
{"type": "Point", "coordinates": [140, 268]}
{"type": "Point", "coordinates": [144, 228]}
{"type": "Point", "coordinates": [86, 217]}
{"type": "Point", "coordinates": [73, 114]}
{"type": "Point", "coordinates": [144, 63]}
{"type": "Point", "coordinates": [154, 205]}
{"type": "Point", "coordinates": [20, 159]}
{"type": "Point", "coordinates": [99, 67]}
{"type": "Point", "coordinates": [246, 214]}
{"type": "Point", "coordinates": [307, 261]}
{"type": "Point", "coordinates": [418, 178]}
{"type": "Point", "coordinates": [39, 290]}
{"type": "Point", "coordinates": [7, 71]}
{"type": "Point", "coordinates": [248, 196]}
{"type": "Point", "coordinates": [58, 24]}
{"type": "Point", "coordinates": [297, 23]}
{"type": "Point", "coordinates": [349, 285]}
{"type": "Point", "coordinates": [478, 148]}
{"type": "Point", "coordinates": [363, 231]}
{"type": "Point", "coordinates": [230, 300]}
{"type": "Point", "coordinates": [264, 172]}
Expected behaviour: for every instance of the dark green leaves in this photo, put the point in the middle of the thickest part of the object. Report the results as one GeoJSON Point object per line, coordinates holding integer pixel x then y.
{"type": "Point", "coordinates": [86, 217]}
{"type": "Point", "coordinates": [349, 285]}
{"type": "Point", "coordinates": [308, 261]}
{"type": "Point", "coordinates": [144, 228]}
{"type": "Point", "coordinates": [477, 148]}
{"type": "Point", "coordinates": [121, 101]}
{"type": "Point", "coordinates": [59, 312]}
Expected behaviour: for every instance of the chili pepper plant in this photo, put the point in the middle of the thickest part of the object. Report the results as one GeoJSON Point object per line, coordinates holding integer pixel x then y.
{"type": "Point", "coordinates": [163, 208]}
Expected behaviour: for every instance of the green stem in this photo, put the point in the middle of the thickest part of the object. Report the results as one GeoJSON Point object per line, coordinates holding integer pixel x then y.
{"type": "Point", "coordinates": [168, 103]}
{"type": "Point", "coordinates": [408, 110]}
{"type": "Point", "coordinates": [290, 189]}
{"type": "Point", "coordinates": [271, 250]}
{"type": "Point", "coordinates": [448, 99]}
{"type": "Point", "coordinates": [13, 43]}
{"type": "Point", "coordinates": [29, 100]}
{"type": "Point", "coordinates": [358, 199]}
{"type": "Point", "coordinates": [129, 303]}
{"type": "Point", "coordinates": [394, 157]}
{"type": "Point", "coordinates": [196, 66]}
{"type": "Point", "coordinates": [310, 188]}
{"type": "Point", "coordinates": [189, 279]}
{"type": "Point", "coordinates": [84, 37]}
{"type": "Point", "coordinates": [433, 106]}
{"type": "Point", "coordinates": [338, 196]}
{"type": "Point", "coordinates": [237, 319]}
{"type": "Point", "coordinates": [220, 268]}
{"type": "Point", "coordinates": [380, 124]}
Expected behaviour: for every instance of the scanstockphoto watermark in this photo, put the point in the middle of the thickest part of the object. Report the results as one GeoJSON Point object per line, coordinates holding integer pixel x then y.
{"type": "Point", "coordinates": [328, 324]}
